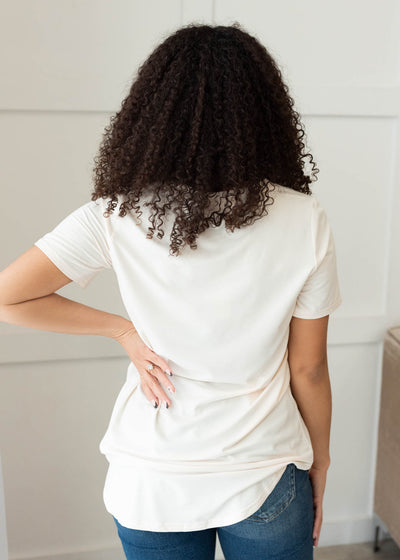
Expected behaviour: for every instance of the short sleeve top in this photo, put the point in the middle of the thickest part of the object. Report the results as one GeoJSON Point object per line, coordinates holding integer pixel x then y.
{"type": "Point", "coordinates": [219, 315]}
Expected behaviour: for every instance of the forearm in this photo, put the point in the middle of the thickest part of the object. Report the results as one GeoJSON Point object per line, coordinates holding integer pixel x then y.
{"type": "Point", "coordinates": [313, 396]}
{"type": "Point", "coordinates": [56, 313]}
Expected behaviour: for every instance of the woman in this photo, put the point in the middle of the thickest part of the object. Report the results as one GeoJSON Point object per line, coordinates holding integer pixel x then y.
{"type": "Point", "coordinates": [232, 296]}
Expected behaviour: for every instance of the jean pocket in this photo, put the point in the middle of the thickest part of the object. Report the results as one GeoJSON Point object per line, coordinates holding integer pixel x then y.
{"type": "Point", "coordinates": [279, 499]}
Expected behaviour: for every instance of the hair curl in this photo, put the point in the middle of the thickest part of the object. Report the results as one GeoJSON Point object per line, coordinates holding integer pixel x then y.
{"type": "Point", "coordinates": [207, 116]}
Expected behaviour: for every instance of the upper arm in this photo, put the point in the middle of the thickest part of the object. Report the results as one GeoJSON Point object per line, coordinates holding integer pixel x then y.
{"type": "Point", "coordinates": [32, 275]}
{"type": "Point", "coordinates": [307, 349]}
{"type": "Point", "coordinates": [320, 294]}
{"type": "Point", "coordinates": [76, 250]}
{"type": "Point", "coordinates": [318, 297]}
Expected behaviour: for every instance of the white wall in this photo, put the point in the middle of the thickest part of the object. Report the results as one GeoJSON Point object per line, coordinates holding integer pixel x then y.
{"type": "Point", "coordinates": [66, 66]}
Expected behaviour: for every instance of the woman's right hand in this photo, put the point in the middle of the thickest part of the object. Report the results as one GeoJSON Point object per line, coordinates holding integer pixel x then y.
{"type": "Point", "coordinates": [317, 477]}
{"type": "Point", "coordinates": [141, 356]}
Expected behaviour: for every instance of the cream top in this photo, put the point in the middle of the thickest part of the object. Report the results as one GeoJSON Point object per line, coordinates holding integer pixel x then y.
{"type": "Point", "coordinates": [219, 315]}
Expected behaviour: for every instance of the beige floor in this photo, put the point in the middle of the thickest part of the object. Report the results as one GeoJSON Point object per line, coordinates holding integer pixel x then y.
{"type": "Point", "coordinates": [363, 551]}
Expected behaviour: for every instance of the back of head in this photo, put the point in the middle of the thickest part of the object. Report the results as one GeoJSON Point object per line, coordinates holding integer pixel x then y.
{"type": "Point", "coordinates": [208, 118]}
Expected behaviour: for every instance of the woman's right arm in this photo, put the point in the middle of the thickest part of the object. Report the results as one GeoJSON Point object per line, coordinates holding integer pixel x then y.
{"type": "Point", "coordinates": [311, 389]}
{"type": "Point", "coordinates": [309, 381]}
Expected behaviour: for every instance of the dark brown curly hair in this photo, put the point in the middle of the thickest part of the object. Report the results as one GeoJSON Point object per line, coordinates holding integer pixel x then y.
{"type": "Point", "coordinates": [207, 118]}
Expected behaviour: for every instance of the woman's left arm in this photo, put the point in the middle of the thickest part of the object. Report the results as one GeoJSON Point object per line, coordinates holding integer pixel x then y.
{"type": "Point", "coordinates": [28, 299]}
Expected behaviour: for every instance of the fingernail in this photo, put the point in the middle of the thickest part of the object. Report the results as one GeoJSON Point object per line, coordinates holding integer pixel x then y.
{"type": "Point", "coordinates": [170, 390]}
{"type": "Point", "coordinates": [154, 403]}
{"type": "Point", "coordinates": [166, 404]}
{"type": "Point", "coordinates": [169, 372]}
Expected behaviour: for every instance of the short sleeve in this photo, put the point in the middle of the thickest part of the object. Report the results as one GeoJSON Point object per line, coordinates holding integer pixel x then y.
{"type": "Point", "coordinates": [320, 294]}
{"type": "Point", "coordinates": [80, 244]}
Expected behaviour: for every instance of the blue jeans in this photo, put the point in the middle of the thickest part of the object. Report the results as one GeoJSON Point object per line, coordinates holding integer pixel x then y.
{"type": "Point", "coordinates": [281, 529]}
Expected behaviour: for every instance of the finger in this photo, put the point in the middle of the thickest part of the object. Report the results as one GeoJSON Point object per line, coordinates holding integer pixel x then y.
{"type": "Point", "coordinates": [316, 529]}
{"type": "Point", "coordinates": [316, 541]}
{"type": "Point", "coordinates": [156, 388]}
{"type": "Point", "coordinates": [315, 538]}
{"type": "Point", "coordinates": [160, 362]}
{"type": "Point", "coordinates": [150, 395]}
{"type": "Point", "coordinates": [317, 523]}
{"type": "Point", "coordinates": [161, 376]}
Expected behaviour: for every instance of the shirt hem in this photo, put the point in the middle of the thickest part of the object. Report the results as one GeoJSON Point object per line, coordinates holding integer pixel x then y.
{"type": "Point", "coordinates": [60, 263]}
{"type": "Point", "coordinates": [321, 313]}
{"type": "Point", "coordinates": [211, 523]}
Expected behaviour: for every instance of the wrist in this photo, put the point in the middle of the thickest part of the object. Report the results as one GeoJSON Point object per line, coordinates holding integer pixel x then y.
{"type": "Point", "coordinates": [322, 463]}
{"type": "Point", "coordinates": [119, 327]}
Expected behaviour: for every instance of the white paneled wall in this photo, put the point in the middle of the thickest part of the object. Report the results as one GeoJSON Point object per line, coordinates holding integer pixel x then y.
{"type": "Point", "coordinates": [73, 55]}
{"type": "Point", "coordinates": [66, 66]}
{"type": "Point", "coordinates": [324, 43]}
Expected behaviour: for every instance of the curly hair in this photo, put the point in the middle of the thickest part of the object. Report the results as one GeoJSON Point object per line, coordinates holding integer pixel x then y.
{"type": "Point", "coordinates": [208, 118]}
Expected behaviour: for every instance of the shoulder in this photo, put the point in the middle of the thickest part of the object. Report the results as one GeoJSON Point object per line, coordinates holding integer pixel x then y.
{"type": "Point", "coordinates": [295, 202]}
{"type": "Point", "coordinates": [94, 217]}
{"type": "Point", "coordinates": [300, 200]}
{"type": "Point", "coordinates": [99, 209]}
{"type": "Point", "coordinates": [287, 192]}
